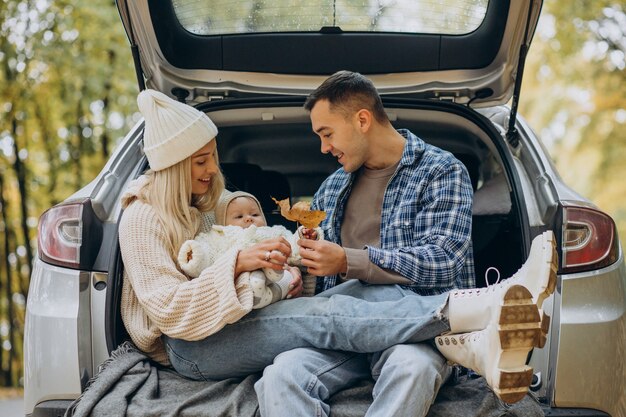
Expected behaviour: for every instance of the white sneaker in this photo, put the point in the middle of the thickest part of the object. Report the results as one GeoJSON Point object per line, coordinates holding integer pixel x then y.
{"type": "Point", "coordinates": [538, 273]}
{"type": "Point", "coordinates": [498, 352]}
{"type": "Point", "coordinates": [475, 309]}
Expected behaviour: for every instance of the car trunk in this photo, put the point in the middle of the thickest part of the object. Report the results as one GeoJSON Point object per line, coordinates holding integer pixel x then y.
{"type": "Point", "coordinates": [268, 148]}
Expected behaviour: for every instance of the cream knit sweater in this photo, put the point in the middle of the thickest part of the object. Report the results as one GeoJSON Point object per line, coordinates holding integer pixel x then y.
{"type": "Point", "coordinates": [157, 298]}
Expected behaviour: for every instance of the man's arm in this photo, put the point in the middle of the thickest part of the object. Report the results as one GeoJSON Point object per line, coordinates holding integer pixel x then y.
{"type": "Point", "coordinates": [360, 267]}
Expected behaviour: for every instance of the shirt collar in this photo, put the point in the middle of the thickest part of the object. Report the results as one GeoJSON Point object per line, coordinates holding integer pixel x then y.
{"type": "Point", "coordinates": [413, 148]}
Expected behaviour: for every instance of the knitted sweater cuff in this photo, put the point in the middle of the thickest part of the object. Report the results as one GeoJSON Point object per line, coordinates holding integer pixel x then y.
{"type": "Point", "coordinates": [234, 294]}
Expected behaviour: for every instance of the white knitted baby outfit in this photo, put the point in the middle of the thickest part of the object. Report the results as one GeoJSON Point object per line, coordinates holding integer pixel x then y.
{"type": "Point", "coordinates": [197, 254]}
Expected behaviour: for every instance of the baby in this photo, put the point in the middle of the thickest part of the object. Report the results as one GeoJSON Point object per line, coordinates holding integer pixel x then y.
{"type": "Point", "coordinates": [240, 221]}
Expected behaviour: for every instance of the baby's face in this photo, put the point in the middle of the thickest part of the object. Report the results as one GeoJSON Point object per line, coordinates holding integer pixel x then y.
{"type": "Point", "coordinates": [243, 211]}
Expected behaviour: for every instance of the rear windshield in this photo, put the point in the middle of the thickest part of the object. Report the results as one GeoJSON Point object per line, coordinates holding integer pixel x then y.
{"type": "Point", "coordinates": [217, 17]}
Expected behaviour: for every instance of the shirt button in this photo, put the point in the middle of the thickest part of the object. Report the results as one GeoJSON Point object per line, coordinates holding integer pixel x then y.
{"type": "Point", "coordinates": [406, 223]}
{"type": "Point", "coordinates": [382, 261]}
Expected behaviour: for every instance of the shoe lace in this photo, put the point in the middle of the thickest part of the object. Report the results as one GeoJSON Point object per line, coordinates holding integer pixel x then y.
{"type": "Point", "coordinates": [487, 276]}
{"type": "Point", "coordinates": [488, 287]}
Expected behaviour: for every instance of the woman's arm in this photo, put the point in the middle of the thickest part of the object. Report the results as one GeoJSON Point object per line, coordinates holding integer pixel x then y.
{"type": "Point", "coordinates": [178, 307]}
{"type": "Point", "coordinates": [182, 308]}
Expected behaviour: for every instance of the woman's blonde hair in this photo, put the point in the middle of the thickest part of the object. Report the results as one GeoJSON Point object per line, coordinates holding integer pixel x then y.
{"type": "Point", "coordinates": [169, 193]}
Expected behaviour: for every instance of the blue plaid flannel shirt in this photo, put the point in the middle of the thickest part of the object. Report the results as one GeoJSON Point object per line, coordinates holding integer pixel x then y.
{"type": "Point", "coordinates": [425, 230]}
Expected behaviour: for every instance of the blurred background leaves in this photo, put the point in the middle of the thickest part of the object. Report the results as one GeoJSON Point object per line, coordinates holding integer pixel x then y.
{"type": "Point", "coordinates": [67, 97]}
{"type": "Point", "coordinates": [574, 96]}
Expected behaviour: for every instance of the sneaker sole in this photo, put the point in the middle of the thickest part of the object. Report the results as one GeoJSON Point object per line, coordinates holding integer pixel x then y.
{"type": "Point", "coordinates": [545, 328]}
{"type": "Point", "coordinates": [519, 326]}
{"type": "Point", "coordinates": [513, 385]}
{"type": "Point", "coordinates": [548, 240]}
{"type": "Point", "coordinates": [518, 309]}
{"type": "Point", "coordinates": [519, 332]}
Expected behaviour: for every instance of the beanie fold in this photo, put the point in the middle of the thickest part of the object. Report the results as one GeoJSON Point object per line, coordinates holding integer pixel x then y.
{"type": "Point", "coordinates": [178, 147]}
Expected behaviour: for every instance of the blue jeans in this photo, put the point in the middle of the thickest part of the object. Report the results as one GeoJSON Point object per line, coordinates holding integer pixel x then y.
{"type": "Point", "coordinates": [327, 321]}
{"type": "Point", "coordinates": [300, 382]}
{"type": "Point", "coordinates": [407, 376]}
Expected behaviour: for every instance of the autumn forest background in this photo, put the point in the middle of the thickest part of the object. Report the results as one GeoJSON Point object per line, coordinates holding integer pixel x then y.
{"type": "Point", "coordinates": [67, 97]}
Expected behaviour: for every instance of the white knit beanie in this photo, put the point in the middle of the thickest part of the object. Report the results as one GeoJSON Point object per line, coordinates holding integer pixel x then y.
{"type": "Point", "coordinates": [173, 130]}
{"type": "Point", "coordinates": [224, 201]}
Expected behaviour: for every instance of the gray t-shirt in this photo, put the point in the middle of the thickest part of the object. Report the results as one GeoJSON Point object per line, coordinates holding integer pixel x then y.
{"type": "Point", "coordinates": [361, 226]}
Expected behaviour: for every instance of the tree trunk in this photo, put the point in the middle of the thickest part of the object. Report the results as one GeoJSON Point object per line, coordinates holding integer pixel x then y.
{"type": "Point", "coordinates": [48, 143]}
{"type": "Point", "coordinates": [3, 281]}
{"type": "Point", "coordinates": [20, 174]}
{"type": "Point", "coordinates": [108, 87]}
{"type": "Point", "coordinates": [76, 151]}
{"type": "Point", "coordinates": [8, 373]}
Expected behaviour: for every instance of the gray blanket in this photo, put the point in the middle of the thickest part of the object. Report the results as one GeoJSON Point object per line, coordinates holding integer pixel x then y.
{"type": "Point", "coordinates": [130, 384]}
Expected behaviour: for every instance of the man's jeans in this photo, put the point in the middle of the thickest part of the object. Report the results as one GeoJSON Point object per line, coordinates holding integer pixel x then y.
{"type": "Point", "coordinates": [300, 382]}
{"type": "Point", "coordinates": [327, 321]}
{"type": "Point", "coordinates": [407, 377]}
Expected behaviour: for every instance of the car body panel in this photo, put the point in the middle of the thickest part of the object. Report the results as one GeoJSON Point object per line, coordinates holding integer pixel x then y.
{"type": "Point", "coordinates": [168, 63]}
{"type": "Point", "coordinates": [589, 360]}
{"type": "Point", "coordinates": [52, 347]}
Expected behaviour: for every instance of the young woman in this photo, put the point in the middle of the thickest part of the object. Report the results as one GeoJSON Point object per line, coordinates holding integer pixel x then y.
{"type": "Point", "coordinates": [205, 327]}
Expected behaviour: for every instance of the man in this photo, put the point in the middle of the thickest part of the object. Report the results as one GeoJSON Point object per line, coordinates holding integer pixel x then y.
{"type": "Point", "coordinates": [398, 212]}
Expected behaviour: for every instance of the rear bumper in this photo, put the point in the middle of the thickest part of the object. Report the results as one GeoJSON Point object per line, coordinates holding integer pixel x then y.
{"type": "Point", "coordinates": [52, 408]}
{"type": "Point", "coordinates": [56, 408]}
{"type": "Point", "coordinates": [570, 412]}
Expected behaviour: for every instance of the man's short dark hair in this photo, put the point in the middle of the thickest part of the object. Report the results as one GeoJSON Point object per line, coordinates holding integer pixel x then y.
{"type": "Point", "coordinates": [349, 92]}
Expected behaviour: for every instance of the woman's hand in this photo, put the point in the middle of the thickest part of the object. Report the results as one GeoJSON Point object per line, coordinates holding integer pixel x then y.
{"type": "Point", "coordinates": [271, 253]}
{"type": "Point", "coordinates": [296, 286]}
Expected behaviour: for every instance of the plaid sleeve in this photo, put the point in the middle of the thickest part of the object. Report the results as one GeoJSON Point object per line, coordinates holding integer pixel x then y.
{"type": "Point", "coordinates": [326, 199]}
{"type": "Point", "coordinates": [441, 233]}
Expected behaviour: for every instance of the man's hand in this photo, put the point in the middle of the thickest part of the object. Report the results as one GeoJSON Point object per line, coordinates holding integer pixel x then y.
{"type": "Point", "coordinates": [322, 257]}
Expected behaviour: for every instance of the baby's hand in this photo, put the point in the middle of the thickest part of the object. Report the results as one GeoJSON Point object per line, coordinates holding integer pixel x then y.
{"type": "Point", "coordinates": [295, 286]}
{"type": "Point", "coordinates": [309, 233]}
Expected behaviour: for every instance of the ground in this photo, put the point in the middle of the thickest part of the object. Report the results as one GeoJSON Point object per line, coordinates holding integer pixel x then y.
{"type": "Point", "coordinates": [11, 393]}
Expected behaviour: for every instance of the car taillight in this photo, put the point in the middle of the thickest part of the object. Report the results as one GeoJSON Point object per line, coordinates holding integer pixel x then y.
{"type": "Point", "coordinates": [70, 235]}
{"type": "Point", "coordinates": [588, 239]}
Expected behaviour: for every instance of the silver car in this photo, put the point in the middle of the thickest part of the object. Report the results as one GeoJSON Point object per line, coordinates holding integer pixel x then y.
{"type": "Point", "coordinates": [445, 70]}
